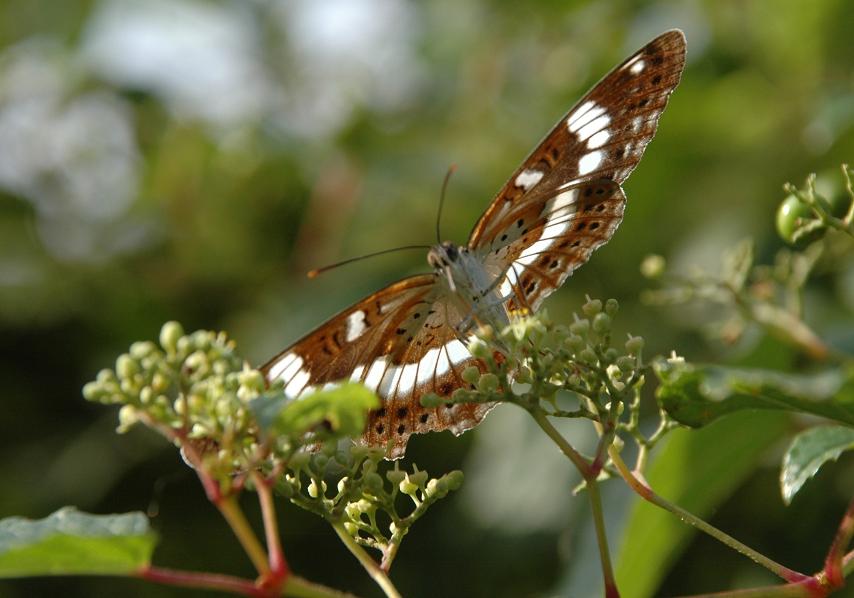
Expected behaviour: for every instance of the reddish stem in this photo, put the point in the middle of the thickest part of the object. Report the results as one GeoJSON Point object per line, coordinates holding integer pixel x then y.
{"type": "Point", "coordinates": [278, 564]}
{"type": "Point", "coordinates": [833, 563]}
{"type": "Point", "coordinates": [210, 581]}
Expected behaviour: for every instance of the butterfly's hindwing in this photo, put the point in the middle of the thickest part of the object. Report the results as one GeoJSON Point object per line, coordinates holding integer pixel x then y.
{"type": "Point", "coordinates": [400, 342]}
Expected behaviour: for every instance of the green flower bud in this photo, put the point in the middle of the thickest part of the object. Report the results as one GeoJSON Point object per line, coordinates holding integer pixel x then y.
{"type": "Point", "coordinates": [419, 478]}
{"type": "Point", "coordinates": [128, 416]}
{"type": "Point", "coordinates": [342, 484]}
{"type": "Point", "coordinates": [169, 335]}
{"type": "Point", "coordinates": [319, 461]}
{"type": "Point", "coordinates": [580, 327]}
{"type": "Point", "coordinates": [407, 487]}
{"type": "Point", "coordinates": [252, 379]}
{"type": "Point", "coordinates": [126, 367]}
{"type": "Point", "coordinates": [105, 376]}
{"type": "Point", "coordinates": [588, 356]}
{"type": "Point", "coordinates": [625, 363]}
{"type": "Point", "coordinates": [373, 482]}
{"type": "Point", "coordinates": [430, 400]}
{"type": "Point", "coordinates": [471, 374]}
{"type": "Point", "coordinates": [142, 349]}
{"type": "Point", "coordinates": [329, 448]}
{"type": "Point", "coordinates": [454, 479]}
{"type": "Point", "coordinates": [395, 476]}
{"type": "Point", "coordinates": [592, 307]}
{"type": "Point", "coordinates": [479, 349]}
{"type": "Point", "coordinates": [611, 307]}
{"type": "Point", "coordinates": [352, 511]}
{"type": "Point", "coordinates": [611, 355]}
{"type": "Point", "coordinates": [634, 345]}
{"type": "Point", "coordinates": [575, 342]}
{"type": "Point", "coordinates": [285, 489]}
{"type": "Point", "coordinates": [461, 395]}
{"type": "Point", "coordinates": [602, 323]}
{"type": "Point", "coordinates": [314, 491]}
{"type": "Point", "coordinates": [488, 383]}
{"type": "Point", "coordinates": [94, 392]}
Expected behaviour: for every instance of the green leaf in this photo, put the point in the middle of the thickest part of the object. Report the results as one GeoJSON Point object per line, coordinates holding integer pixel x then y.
{"type": "Point", "coordinates": [344, 409]}
{"type": "Point", "coordinates": [70, 542]}
{"type": "Point", "coordinates": [697, 395]}
{"type": "Point", "coordinates": [808, 452]}
{"type": "Point", "coordinates": [698, 470]}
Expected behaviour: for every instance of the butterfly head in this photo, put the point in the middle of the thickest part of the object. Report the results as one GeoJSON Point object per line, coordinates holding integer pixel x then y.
{"type": "Point", "coordinates": [441, 257]}
{"type": "Point", "coordinates": [445, 259]}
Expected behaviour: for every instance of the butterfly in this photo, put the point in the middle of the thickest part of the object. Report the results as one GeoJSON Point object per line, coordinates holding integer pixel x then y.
{"type": "Point", "coordinates": [565, 200]}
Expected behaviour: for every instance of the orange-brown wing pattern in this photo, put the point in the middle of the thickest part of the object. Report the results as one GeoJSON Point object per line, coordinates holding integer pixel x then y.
{"type": "Point", "coordinates": [401, 343]}
{"type": "Point", "coordinates": [565, 200]}
{"type": "Point", "coordinates": [602, 137]}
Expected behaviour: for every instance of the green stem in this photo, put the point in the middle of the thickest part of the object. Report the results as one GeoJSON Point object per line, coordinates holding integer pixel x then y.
{"type": "Point", "coordinates": [302, 588]}
{"type": "Point", "coordinates": [580, 462]}
{"type": "Point", "coordinates": [602, 539]}
{"type": "Point", "coordinates": [649, 495]}
{"type": "Point", "coordinates": [370, 565]}
{"type": "Point", "coordinates": [237, 521]}
{"type": "Point", "coordinates": [589, 474]}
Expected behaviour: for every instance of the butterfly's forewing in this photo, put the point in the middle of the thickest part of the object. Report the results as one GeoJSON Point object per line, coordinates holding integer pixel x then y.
{"type": "Point", "coordinates": [565, 199]}
{"type": "Point", "coordinates": [400, 342]}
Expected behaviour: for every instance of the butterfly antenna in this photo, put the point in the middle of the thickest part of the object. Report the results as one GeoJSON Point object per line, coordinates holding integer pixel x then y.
{"type": "Point", "coordinates": [314, 273]}
{"type": "Point", "coordinates": [451, 169]}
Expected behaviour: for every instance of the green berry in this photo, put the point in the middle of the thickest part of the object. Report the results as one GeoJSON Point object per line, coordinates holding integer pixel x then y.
{"type": "Point", "coordinates": [792, 216]}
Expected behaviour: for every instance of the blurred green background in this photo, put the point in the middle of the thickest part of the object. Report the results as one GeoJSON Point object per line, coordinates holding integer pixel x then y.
{"type": "Point", "coordinates": [190, 160]}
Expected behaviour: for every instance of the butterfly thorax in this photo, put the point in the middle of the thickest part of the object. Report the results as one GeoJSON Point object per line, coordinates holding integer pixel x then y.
{"type": "Point", "coordinates": [474, 292]}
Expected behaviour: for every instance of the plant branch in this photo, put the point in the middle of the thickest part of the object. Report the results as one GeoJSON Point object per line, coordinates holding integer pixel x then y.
{"type": "Point", "coordinates": [277, 561]}
{"type": "Point", "coordinates": [647, 493]}
{"type": "Point", "coordinates": [833, 564]}
{"type": "Point", "coordinates": [580, 462]}
{"type": "Point", "coordinates": [611, 590]}
{"type": "Point", "coordinates": [237, 521]}
{"type": "Point", "coordinates": [210, 581]}
{"type": "Point", "coordinates": [370, 565]}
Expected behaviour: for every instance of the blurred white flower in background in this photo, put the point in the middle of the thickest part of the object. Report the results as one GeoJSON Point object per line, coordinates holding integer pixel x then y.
{"type": "Point", "coordinates": [344, 55]}
{"type": "Point", "coordinates": [203, 60]}
{"type": "Point", "coordinates": [73, 156]}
